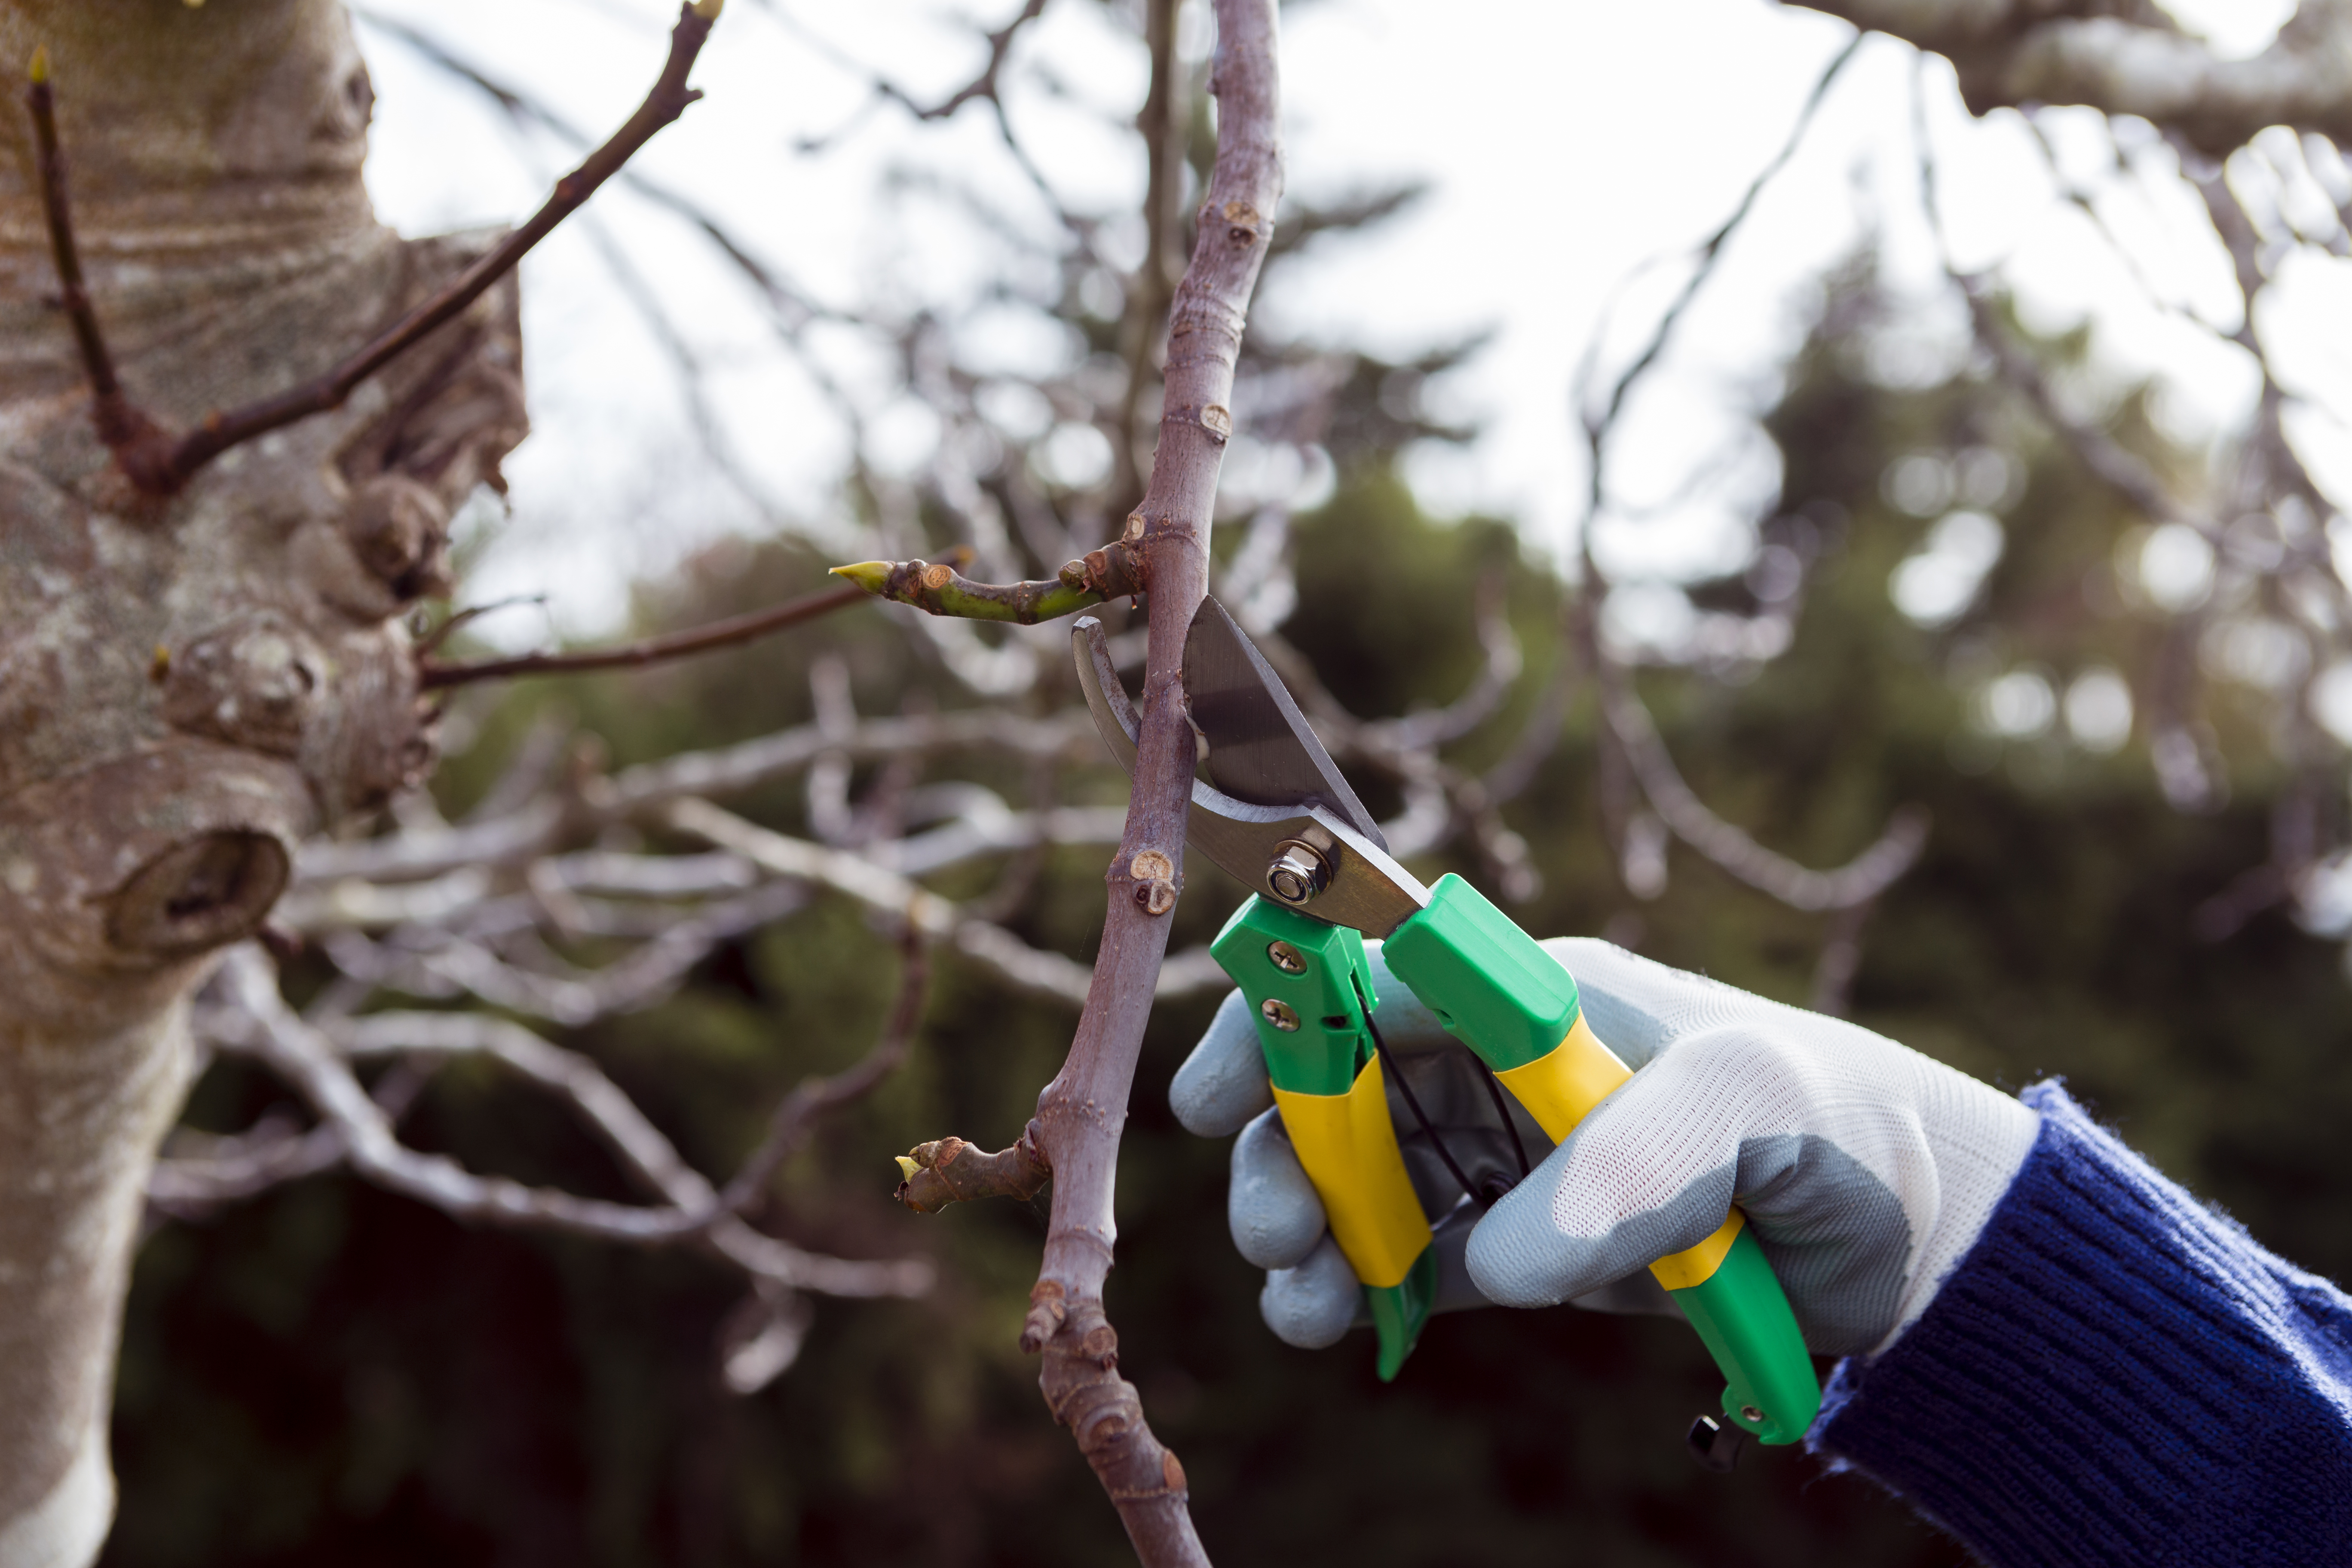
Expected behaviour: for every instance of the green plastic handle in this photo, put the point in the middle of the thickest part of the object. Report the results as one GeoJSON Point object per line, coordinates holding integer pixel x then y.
{"type": "Point", "coordinates": [1743, 1316]}
{"type": "Point", "coordinates": [1497, 990]}
{"type": "Point", "coordinates": [1307, 986]}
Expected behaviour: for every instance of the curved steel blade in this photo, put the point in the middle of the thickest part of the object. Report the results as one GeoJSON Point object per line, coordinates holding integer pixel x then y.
{"type": "Point", "coordinates": [1261, 749]}
{"type": "Point", "coordinates": [1368, 890]}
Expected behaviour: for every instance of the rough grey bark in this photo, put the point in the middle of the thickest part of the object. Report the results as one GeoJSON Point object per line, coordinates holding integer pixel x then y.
{"type": "Point", "coordinates": [186, 685]}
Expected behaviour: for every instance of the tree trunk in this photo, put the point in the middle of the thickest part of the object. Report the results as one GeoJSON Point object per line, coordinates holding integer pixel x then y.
{"type": "Point", "coordinates": [187, 683]}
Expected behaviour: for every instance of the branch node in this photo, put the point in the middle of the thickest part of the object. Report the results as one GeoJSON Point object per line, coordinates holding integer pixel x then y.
{"type": "Point", "coordinates": [1155, 881]}
{"type": "Point", "coordinates": [1047, 1310]}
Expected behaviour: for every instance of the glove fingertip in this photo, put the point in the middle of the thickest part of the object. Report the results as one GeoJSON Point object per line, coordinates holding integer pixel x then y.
{"type": "Point", "coordinates": [1223, 1086]}
{"type": "Point", "coordinates": [1272, 1207]}
{"type": "Point", "coordinates": [1313, 1305]}
{"type": "Point", "coordinates": [1526, 1253]}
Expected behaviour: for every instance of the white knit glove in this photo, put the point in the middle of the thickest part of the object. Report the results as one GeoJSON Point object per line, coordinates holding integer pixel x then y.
{"type": "Point", "coordinates": [1866, 1168]}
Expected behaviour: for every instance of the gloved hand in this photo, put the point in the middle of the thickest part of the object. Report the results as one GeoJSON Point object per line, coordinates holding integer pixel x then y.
{"type": "Point", "coordinates": [1866, 1168]}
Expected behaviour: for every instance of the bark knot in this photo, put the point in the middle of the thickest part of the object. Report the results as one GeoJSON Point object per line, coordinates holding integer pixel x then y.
{"type": "Point", "coordinates": [252, 683]}
{"type": "Point", "coordinates": [1047, 1308]}
{"type": "Point", "coordinates": [1155, 881]}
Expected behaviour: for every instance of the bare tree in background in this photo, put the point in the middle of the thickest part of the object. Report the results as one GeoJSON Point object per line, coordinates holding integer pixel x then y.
{"type": "Point", "coordinates": [240, 414]}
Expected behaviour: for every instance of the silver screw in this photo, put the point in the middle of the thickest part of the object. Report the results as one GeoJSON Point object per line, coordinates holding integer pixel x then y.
{"type": "Point", "coordinates": [1279, 1015]}
{"type": "Point", "coordinates": [1299, 872]}
{"type": "Point", "coordinates": [1754, 1415]}
{"type": "Point", "coordinates": [1286, 958]}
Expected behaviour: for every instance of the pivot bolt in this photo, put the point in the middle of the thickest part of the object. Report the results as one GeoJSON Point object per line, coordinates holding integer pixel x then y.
{"type": "Point", "coordinates": [1286, 958]}
{"type": "Point", "coordinates": [1298, 871]}
{"type": "Point", "coordinates": [1753, 1416]}
{"type": "Point", "coordinates": [1279, 1015]}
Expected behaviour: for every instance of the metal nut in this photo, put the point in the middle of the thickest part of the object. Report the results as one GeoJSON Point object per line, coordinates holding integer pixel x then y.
{"type": "Point", "coordinates": [1279, 1015]}
{"type": "Point", "coordinates": [1286, 958]}
{"type": "Point", "coordinates": [1752, 1415]}
{"type": "Point", "coordinates": [1298, 871]}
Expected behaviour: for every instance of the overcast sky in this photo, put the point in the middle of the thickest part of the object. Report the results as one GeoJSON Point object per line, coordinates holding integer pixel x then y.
{"type": "Point", "coordinates": [1566, 143]}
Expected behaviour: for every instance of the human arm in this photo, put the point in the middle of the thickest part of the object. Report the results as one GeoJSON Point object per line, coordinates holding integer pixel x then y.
{"type": "Point", "coordinates": [1908, 1212]}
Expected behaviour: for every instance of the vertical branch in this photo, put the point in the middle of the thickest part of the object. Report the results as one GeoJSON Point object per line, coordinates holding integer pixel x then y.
{"type": "Point", "coordinates": [1162, 124]}
{"type": "Point", "coordinates": [1081, 1112]}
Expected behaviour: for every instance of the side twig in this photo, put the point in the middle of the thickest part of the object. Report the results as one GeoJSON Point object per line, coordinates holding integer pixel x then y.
{"type": "Point", "coordinates": [950, 1171]}
{"type": "Point", "coordinates": [733, 632]}
{"type": "Point", "coordinates": [221, 430]}
{"type": "Point", "coordinates": [936, 588]}
{"type": "Point", "coordinates": [133, 439]}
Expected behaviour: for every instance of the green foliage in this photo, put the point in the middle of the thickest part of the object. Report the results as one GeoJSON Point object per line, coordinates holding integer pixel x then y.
{"type": "Point", "coordinates": [332, 1374]}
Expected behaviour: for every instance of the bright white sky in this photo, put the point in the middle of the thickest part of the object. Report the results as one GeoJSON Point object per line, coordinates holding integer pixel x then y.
{"type": "Point", "coordinates": [1568, 143]}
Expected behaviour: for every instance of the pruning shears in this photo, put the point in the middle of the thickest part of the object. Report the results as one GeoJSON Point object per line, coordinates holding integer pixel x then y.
{"type": "Point", "coordinates": [1274, 811]}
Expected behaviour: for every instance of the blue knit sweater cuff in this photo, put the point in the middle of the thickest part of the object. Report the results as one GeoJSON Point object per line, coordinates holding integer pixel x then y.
{"type": "Point", "coordinates": [2114, 1376]}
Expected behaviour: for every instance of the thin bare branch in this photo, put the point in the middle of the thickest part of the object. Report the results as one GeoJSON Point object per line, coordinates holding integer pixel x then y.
{"type": "Point", "coordinates": [223, 429]}
{"type": "Point", "coordinates": [788, 1124]}
{"type": "Point", "coordinates": [134, 440]}
{"type": "Point", "coordinates": [524, 109]}
{"type": "Point", "coordinates": [426, 961]}
{"type": "Point", "coordinates": [983, 87]}
{"type": "Point", "coordinates": [733, 632]}
{"type": "Point", "coordinates": [1081, 1114]}
{"type": "Point", "coordinates": [1840, 961]}
{"type": "Point", "coordinates": [1162, 123]}
{"type": "Point", "coordinates": [314, 1062]}
{"type": "Point", "coordinates": [1015, 961]}
{"type": "Point", "coordinates": [1637, 748]}
{"type": "Point", "coordinates": [1857, 882]}
{"type": "Point", "coordinates": [1432, 727]}
{"type": "Point", "coordinates": [190, 1183]}
{"type": "Point", "coordinates": [1599, 421]}
{"type": "Point", "coordinates": [544, 822]}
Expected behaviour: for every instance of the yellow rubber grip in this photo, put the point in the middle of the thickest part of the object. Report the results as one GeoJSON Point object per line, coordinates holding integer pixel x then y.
{"type": "Point", "coordinates": [1560, 1088]}
{"type": "Point", "coordinates": [1697, 1265]}
{"type": "Point", "coordinates": [1349, 1147]}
